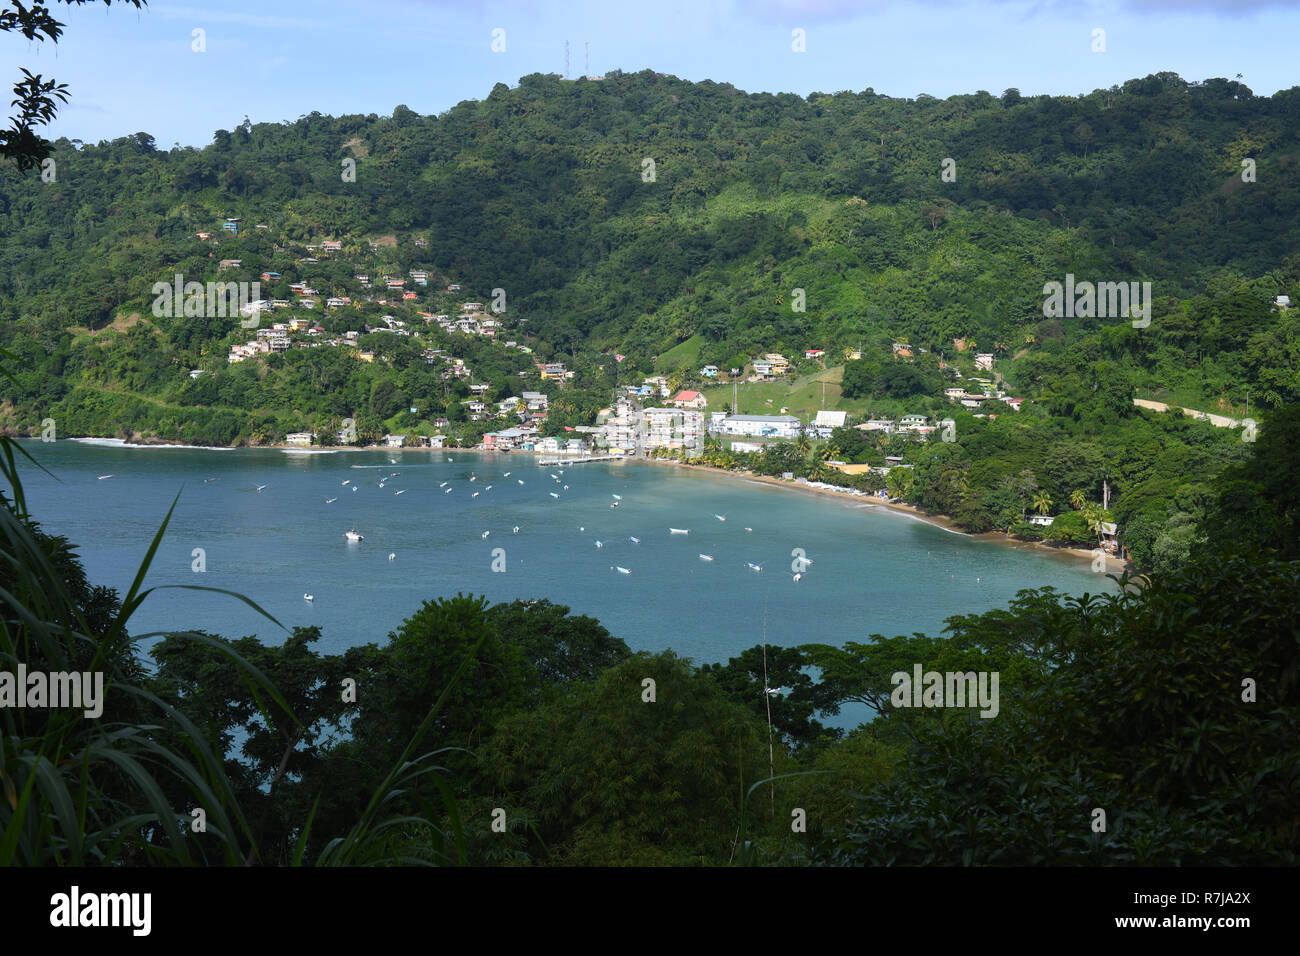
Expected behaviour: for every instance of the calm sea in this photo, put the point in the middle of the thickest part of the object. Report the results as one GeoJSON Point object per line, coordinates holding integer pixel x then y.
{"type": "Point", "coordinates": [872, 571]}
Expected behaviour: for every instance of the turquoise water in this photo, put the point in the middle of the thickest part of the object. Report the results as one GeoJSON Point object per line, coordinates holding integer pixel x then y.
{"type": "Point", "coordinates": [872, 571]}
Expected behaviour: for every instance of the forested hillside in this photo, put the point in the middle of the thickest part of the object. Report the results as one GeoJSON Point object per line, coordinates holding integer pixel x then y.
{"type": "Point", "coordinates": [682, 224]}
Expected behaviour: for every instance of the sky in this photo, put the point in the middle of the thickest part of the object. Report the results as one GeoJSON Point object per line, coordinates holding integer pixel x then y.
{"type": "Point", "coordinates": [149, 70]}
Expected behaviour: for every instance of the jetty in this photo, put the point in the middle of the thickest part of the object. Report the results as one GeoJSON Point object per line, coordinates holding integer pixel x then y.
{"type": "Point", "coordinates": [578, 461]}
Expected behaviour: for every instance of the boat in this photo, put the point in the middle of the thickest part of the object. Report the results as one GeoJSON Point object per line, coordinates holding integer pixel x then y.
{"type": "Point", "coordinates": [599, 545]}
{"type": "Point", "coordinates": [474, 495]}
{"type": "Point", "coordinates": [392, 556]}
{"type": "Point", "coordinates": [402, 492]}
{"type": "Point", "coordinates": [749, 529]}
{"type": "Point", "coordinates": [622, 570]}
{"type": "Point", "coordinates": [613, 504]}
{"type": "Point", "coordinates": [473, 477]}
{"type": "Point", "coordinates": [679, 530]}
{"type": "Point", "coordinates": [102, 477]}
{"type": "Point", "coordinates": [442, 484]}
{"type": "Point", "coordinates": [308, 597]}
{"type": "Point", "coordinates": [520, 480]}
{"type": "Point", "coordinates": [798, 575]}
{"type": "Point", "coordinates": [753, 567]}
{"type": "Point", "coordinates": [554, 495]}
{"type": "Point", "coordinates": [485, 534]}
{"type": "Point", "coordinates": [515, 529]}
{"type": "Point", "coordinates": [618, 497]}
{"type": "Point", "coordinates": [721, 517]}
{"type": "Point", "coordinates": [259, 488]}
{"type": "Point", "coordinates": [347, 481]}
{"type": "Point", "coordinates": [706, 557]}
{"type": "Point", "coordinates": [488, 488]}
{"type": "Point", "coordinates": [566, 487]}
{"type": "Point", "coordinates": [353, 536]}
{"type": "Point", "coordinates": [507, 474]}
{"type": "Point", "coordinates": [447, 492]}
{"type": "Point", "coordinates": [206, 480]}
{"type": "Point", "coordinates": [330, 501]}
{"type": "Point", "coordinates": [636, 540]}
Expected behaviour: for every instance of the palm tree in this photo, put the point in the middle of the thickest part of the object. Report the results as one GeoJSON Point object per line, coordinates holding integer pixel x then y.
{"type": "Point", "coordinates": [1077, 499]}
{"type": "Point", "coordinates": [803, 444]}
{"type": "Point", "coordinates": [1042, 502]}
{"type": "Point", "coordinates": [831, 452]}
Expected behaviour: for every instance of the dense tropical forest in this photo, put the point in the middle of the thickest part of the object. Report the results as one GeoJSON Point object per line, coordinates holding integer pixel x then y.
{"type": "Point", "coordinates": [678, 224]}
{"type": "Point", "coordinates": [672, 223]}
{"type": "Point", "coordinates": [519, 733]}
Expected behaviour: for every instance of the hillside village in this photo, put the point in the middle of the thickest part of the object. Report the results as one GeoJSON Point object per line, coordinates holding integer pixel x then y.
{"type": "Point", "coordinates": [651, 418]}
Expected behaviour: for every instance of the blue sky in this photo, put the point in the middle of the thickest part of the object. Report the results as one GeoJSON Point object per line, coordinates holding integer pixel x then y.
{"type": "Point", "coordinates": [274, 60]}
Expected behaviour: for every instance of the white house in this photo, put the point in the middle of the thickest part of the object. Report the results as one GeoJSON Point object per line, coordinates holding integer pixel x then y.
{"type": "Point", "coordinates": [773, 426]}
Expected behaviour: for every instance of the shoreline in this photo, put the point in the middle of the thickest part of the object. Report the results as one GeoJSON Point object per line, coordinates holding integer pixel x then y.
{"type": "Point", "coordinates": [943, 522]}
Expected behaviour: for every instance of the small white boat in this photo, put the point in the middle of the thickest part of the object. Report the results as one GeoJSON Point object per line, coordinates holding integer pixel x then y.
{"type": "Point", "coordinates": [679, 530]}
{"type": "Point", "coordinates": [749, 529]}
{"type": "Point", "coordinates": [798, 575]}
{"type": "Point", "coordinates": [706, 557]}
{"type": "Point", "coordinates": [442, 484]}
{"type": "Point", "coordinates": [599, 545]}
{"type": "Point", "coordinates": [485, 534]}
{"type": "Point", "coordinates": [102, 477]}
{"type": "Point", "coordinates": [554, 495]}
{"type": "Point", "coordinates": [353, 536]}
{"type": "Point", "coordinates": [206, 480]}
{"type": "Point", "coordinates": [402, 492]}
{"type": "Point", "coordinates": [613, 504]}
{"type": "Point", "coordinates": [474, 495]}
{"type": "Point", "coordinates": [259, 488]}
{"type": "Point", "coordinates": [618, 497]}
{"type": "Point", "coordinates": [347, 481]}
{"type": "Point", "coordinates": [381, 484]}
{"type": "Point", "coordinates": [515, 529]}
{"type": "Point", "coordinates": [566, 487]}
{"type": "Point", "coordinates": [473, 477]}
{"type": "Point", "coordinates": [308, 597]}
{"type": "Point", "coordinates": [520, 480]}
{"type": "Point", "coordinates": [392, 556]}
{"type": "Point", "coordinates": [488, 488]}
{"type": "Point", "coordinates": [507, 474]}
{"type": "Point", "coordinates": [553, 476]}
{"type": "Point", "coordinates": [447, 492]}
{"type": "Point", "coordinates": [636, 540]}
{"type": "Point", "coordinates": [753, 567]}
{"type": "Point", "coordinates": [622, 570]}
{"type": "Point", "coordinates": [330, 501]}
{"type": "Point", "coordinates": [355, 488]}
{"type": "Point", "coordinates": [721, 517]}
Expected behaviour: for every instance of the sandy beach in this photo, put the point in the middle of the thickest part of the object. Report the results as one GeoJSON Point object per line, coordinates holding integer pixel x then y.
{"type": "Point", "coordinates": [1113, 564]}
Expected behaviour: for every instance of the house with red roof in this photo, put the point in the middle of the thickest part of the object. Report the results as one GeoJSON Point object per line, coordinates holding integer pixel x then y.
{"type": "Point", "coordinates": [688, 399]}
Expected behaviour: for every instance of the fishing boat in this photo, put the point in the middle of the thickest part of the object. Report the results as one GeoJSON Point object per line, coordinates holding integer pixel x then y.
{"type": "Point", "coordinates": [706, 557]}
{"type": "Point", "coordinates": [599, 545]}
{"type": "Point", "coordinates": [515, 529]}
{"type": "Point", "coordinates": [520, 480]}
{"type": "Point", "coordinates": [554, 495]}
{"type": "Point", "coordinates": [447, 492]}
{"type": "Point", "coordinates": [618, 497]}
{"type": "Point", "coordinates": [721, 517]}
{"type": "Point", "coordinates": [622, 570]}
{"type": "Point", "coordinates": [636, 540]}
{"type": "Point", "coordinates": [474, 495]}
{"type": "Point", "coordinates": [442, 484]}
{"type": "Point", "coordinates": [402, 492]}
{"type": "Point", "coordinates": [353, 536]}
{"type": "Point", "coordinates": [330, 501]}
{"type": "Point", "coordinates": [347, 481]}
{"type": "Point", "coordinates": [485, 534]}
{"type": "Point", "coordinates": [507, 474]}
{"type": "Point", "coordinates": [102, 477]}
{"type": "Point", "coordinates": [753, 567]}
{"type": "Point", "coordinates": [308, 597]}
{"type": "Point", "coordinates": [392, 556]}
{"type": "Point", "coordinates": [679, 530]}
